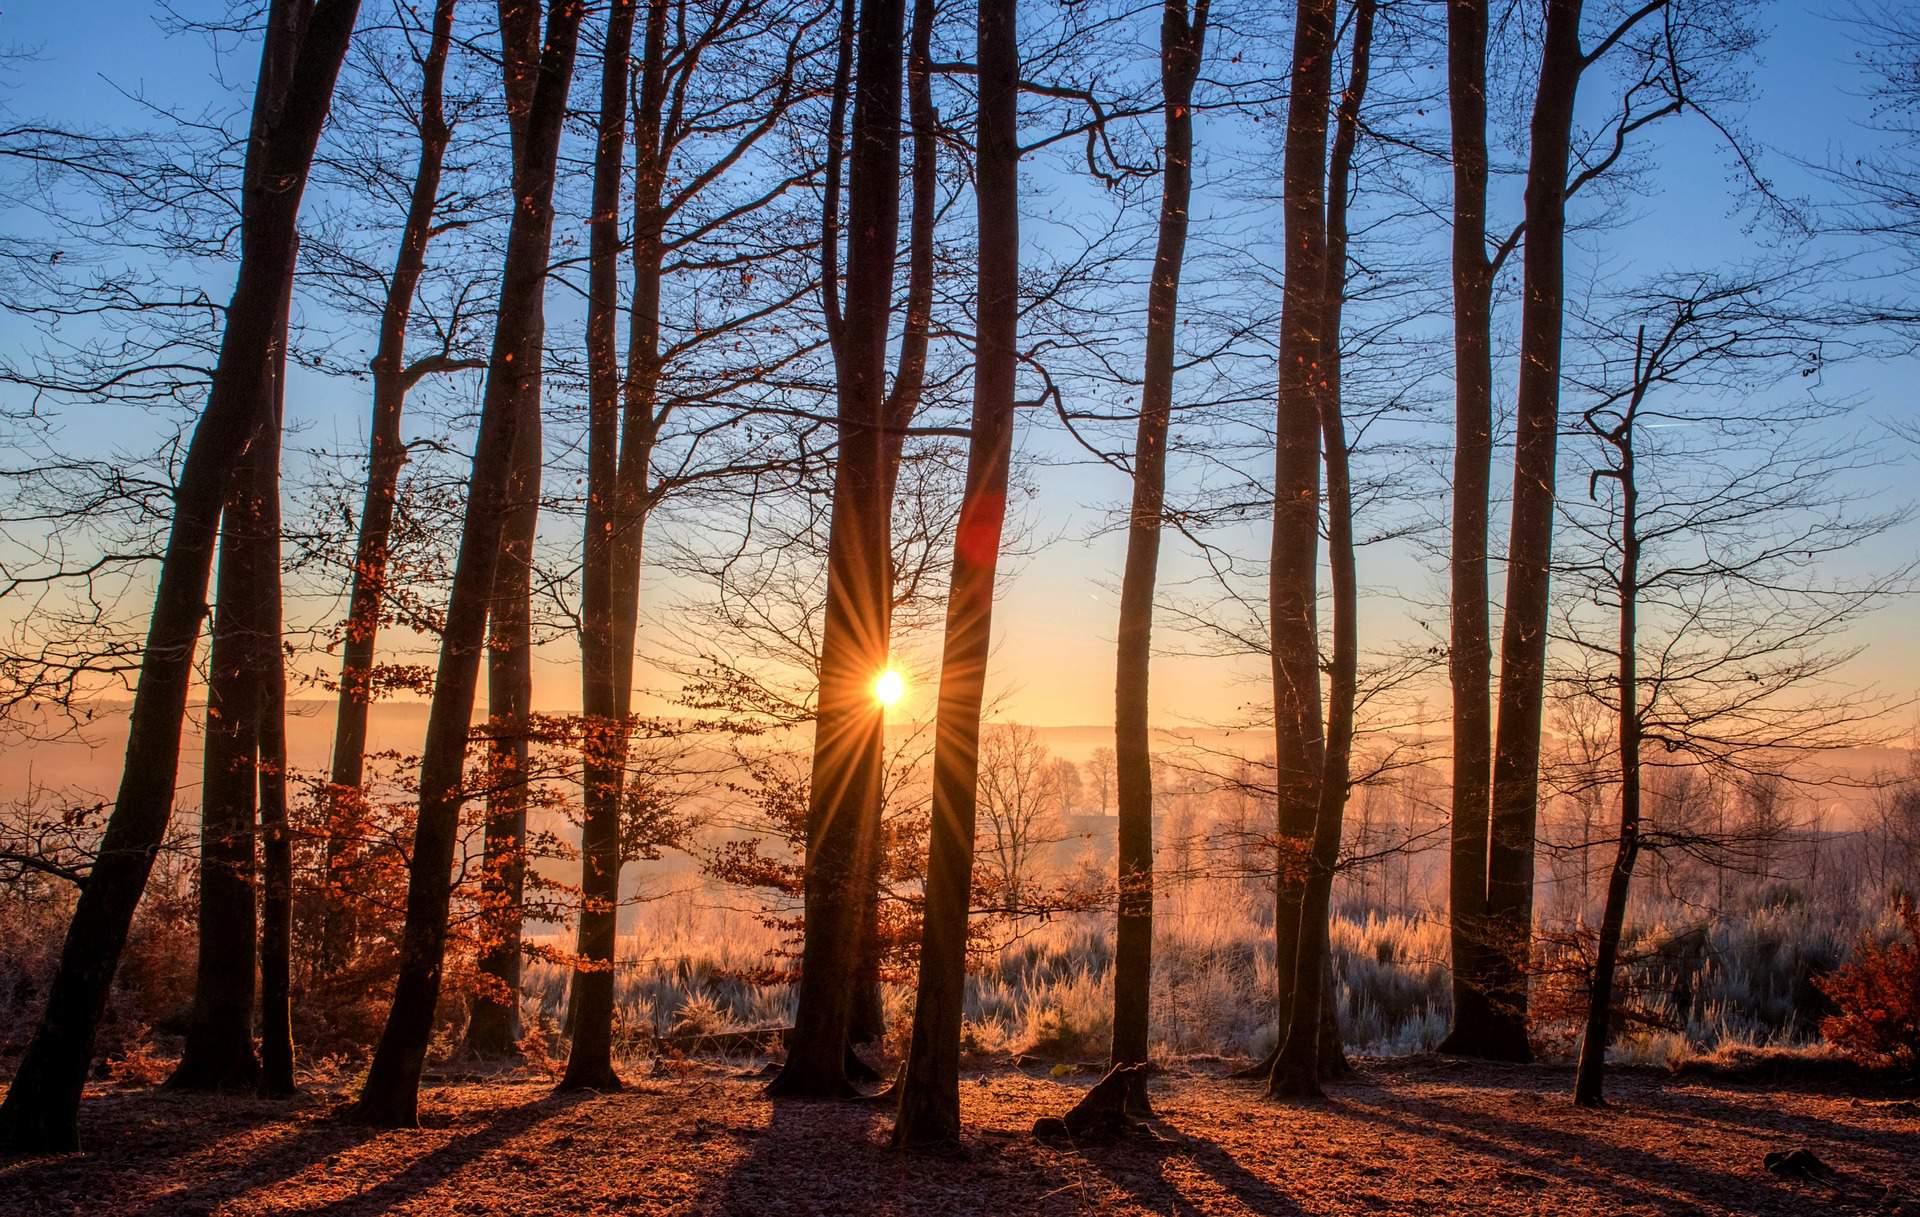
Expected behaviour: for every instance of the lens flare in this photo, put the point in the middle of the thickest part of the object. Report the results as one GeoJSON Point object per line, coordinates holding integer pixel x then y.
{"type": "Point", "coordinates": [889, 687]}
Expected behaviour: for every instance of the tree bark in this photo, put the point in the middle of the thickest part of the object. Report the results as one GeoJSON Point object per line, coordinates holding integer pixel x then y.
{"type": "Point", "coordinates": [387, 455]}
{"type": "Point", "coordinates": [1292, 574]}
{"type": "Point", "coordinates": [42, 1105]}
{"type": "Point", "coordinates": [493, 1017]}
{"type": "Point", "coordinates": [1523, 638]}
{"type": "Point", "coordinates": [590, 1059]}
{"type": "Point", "coordinates": [845, 790]}
{"type": "Point", "coordinates": [1301, 1066]}
{"type": "Point", "coordinates": [393, 1079]}
{"type": "Point", "coordinates": [930, 1087]}
{"type": "Point", "coordinates": [1182, 40]}
{"type": "Point", "coordinates": [1470, 651]}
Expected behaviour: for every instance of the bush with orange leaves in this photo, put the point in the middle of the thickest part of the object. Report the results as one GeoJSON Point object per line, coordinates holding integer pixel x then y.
{"type": "Point", "coordinates": [1878, 993]}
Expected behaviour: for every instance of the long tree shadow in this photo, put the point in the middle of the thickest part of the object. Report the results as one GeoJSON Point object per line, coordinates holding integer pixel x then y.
{"type": "Point", "coordinates": [206, 1140]}
{"type": "Point", "coordinates": [1633, 1176]}
{"type": "Point", "coordinates": [836, 1158]}
{"type": "Point", "coordinates": [1138, 1166]}
{"type": "Point", "coordinates": [437, 1164]}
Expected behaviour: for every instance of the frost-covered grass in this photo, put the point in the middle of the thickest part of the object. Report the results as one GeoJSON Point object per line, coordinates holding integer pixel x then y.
{"type": "Point", "coordinates": [1706, 983]}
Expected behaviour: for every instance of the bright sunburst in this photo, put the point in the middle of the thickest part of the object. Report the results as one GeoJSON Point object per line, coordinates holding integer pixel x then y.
{"type": "Point", "coordinates": [889, 687]}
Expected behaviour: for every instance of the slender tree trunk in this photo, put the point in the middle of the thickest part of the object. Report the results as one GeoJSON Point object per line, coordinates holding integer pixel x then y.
{"type": "Point", "coordinates": [845, 790]}
{"type": "Point", "coordinates": [1589, 1081]}
{"type": "Point", "coordinates": [276, 842]}
{"type": "Point", "coordinates": [903, 402]}
{"type": "Point", "coordinates": [930, 1088]}
{"type": "Point", "coordinates": [1182, 39]}
{"type": "Point", "coordinates": [493, 1028]}
{"type": "Point", "coordinates": [1292, 597]}
{"type": "Point", "coordinates": [590, 1061]}
{"type": "Point", "coordinates": [346, 800]}
{"type": "Point", "coordinates": [218, 1054]}
{"type": "Point", "coordinates": [393, 1079]}
{"type": "Point", "coordinates": [493, 1021]}
{"type": "Point", "coordinates": [1470, 652]}
{"type": "Point", "coordinates": [1523, 637]}
{"type": "Point", "coordinates": [1304, 1056]}
{"type": "Point", "coordinates": [42, 1105]}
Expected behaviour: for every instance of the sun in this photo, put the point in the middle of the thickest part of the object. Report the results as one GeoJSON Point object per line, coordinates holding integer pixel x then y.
{"type": "Point", "coordinates": [889, 687]}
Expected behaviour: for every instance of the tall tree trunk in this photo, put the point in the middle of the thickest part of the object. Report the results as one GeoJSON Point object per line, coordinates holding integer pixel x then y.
{"type": "Point", "coordinates": [218, 1054]}
{"type": "Point", "coordinates": [1292, 597]}
{"type": "Point", "coordinates": [903, 402]}
{"type": "Point", "coordinates": [393, 1079]}
{"type": "Point", "coordinates": [42, 1105]}
{"type": "Point", "coordinates": [270, 687]}
{"type": "Point", "coordinates": [1589, 1080]}
{"type": "Point", "coordinates": [1523, 637]}
{"type": "Point", "coordinates": [603, 753]}
{"type": "Point", "coordinates": [346, 800]}
{"type": "Point", "coordinates": [1182, 41]}
{"type": "Point", "coordinates": [930, 1087]}
{"type": "Point", "coordinates": [1304, 1056]}
{"type": "Point", "coordinates": [849, 740]}
{"type": "Point", "coordinates": [493, 1025]}
{"type": "Point", "coordinates": [1470, 649]}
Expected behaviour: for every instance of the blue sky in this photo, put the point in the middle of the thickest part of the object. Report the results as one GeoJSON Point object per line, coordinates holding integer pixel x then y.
{"type": "Point", "coordinates": [1055, 622]}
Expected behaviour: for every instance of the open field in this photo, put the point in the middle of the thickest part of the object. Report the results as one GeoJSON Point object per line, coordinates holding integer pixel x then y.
{"type": "Point", "coordinates": [1418, 1135]}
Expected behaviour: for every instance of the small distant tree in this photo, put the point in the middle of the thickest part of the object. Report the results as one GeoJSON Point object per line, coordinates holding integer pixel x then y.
{"type": "Point", "coordinates": [1019, 798]}
{"type": "Point", "coordinates": [1101, 776]}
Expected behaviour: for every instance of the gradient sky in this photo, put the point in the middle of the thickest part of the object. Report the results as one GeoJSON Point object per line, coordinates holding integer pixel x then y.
{"type": "Point", "coordinates": [1055, 623]}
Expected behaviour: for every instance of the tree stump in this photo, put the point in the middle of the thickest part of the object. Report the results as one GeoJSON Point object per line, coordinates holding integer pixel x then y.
{"type": "Point", "coordinates": [1102, 1114]}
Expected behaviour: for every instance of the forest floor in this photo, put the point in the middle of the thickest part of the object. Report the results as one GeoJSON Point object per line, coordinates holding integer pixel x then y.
{"type": "Point", "coordinates": [1422, 1135]}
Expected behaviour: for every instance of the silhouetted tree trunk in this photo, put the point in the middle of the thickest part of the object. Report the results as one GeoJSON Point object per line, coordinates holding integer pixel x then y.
{"type": "Point", "coordinates": [218, 1054]}
{"type": "Point", "coordinates": [1523, 637]}
{"type": "Point", "coordinates": [845, 790]}
{"type": "Point", "coordinates": [1470, 651]}
{"type": "Point", "coordinates": [903, 402]}
{"type": "Point", "coordinates": [493, 1018]}
{"type": "Point", "coordinates": [42, 1105]}
{"type": "Point", "coordinates": [1304, 1057]}
{"type": "Point", "coordinates": [1589, 1080]}
{"type": "Point", "coordinates": [392, 377]}
{"type": "Point", "coordinates": [930, 1087]}
{"type": "Point", "coordinates": [1182, 40]}
{"type": "Point", "coordinates": [590, 1060]}
{"type": "Point", "coordinates": [276, 842]}
{"type": "Point", "coordinates": [1292, 597]}
{"type": "Point", "coordinates": [393, 1078]}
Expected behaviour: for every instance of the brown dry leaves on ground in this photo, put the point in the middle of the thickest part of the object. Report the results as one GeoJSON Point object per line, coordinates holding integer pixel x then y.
{"type": "Point", "coordinates": [1421, 1136]}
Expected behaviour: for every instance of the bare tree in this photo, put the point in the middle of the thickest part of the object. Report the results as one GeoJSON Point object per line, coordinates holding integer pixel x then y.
{"type": "Point", "coordinates": [1654, 55]}
{"type": "Point", "coordinates": [391, 1091]}
{"type": "Point", "coordinates": [1710, 495]}
{"type": "Point", "coordinates": [1304, 1054]}
{"type": "Point", "coordinates": [1182, 41]}
{"type": "Point", "coordinates": [930, 1087]}
{"type": "Point", "coordinates": [393, 376]}
{"type": "Point", "coordinates": [41, 1107]}
{"type": "Point", "coordinates": [844, 793]}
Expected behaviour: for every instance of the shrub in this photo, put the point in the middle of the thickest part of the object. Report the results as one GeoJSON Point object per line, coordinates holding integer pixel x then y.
{"type": "Point", "coordinates": [1878, 996]}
